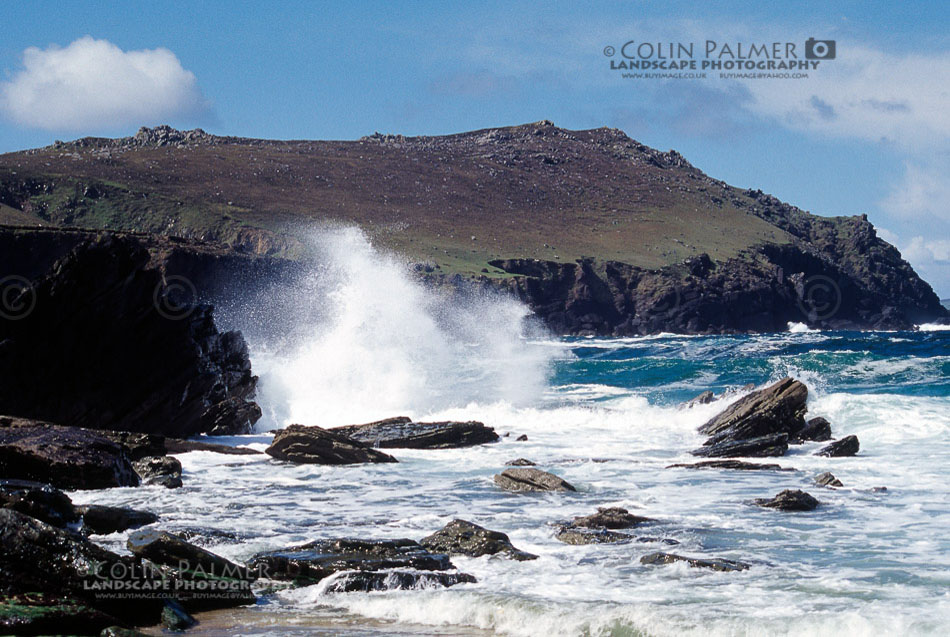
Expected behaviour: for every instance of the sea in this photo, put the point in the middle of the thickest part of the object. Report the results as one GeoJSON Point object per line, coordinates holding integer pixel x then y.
{"type": "Point", "coordinates": [360, 339]}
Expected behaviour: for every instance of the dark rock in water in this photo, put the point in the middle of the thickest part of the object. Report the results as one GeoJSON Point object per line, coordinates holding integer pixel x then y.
{"type": "Point", "coordinates": [460, 537]}
{"type": "Point", "coordinates": [730, 464]}
{"type": "Point", "coordinates": [847, 446]}
{"type": "Point", "coordinates": [103, 520]}
{"type": "Point", "coordinates": [176, 445]}
{"type": "Point", "coordinates": [65, 457]}
{"type": "Point", "coordinates": [118, 631]}
{"type": "Point", "coordinates": [368, 581]}
{"type": "Point", "coordinates": [162, 547]}
{"type": "Point", "coordinates": [817, 429]}
{"type": "Point", "coordinates": [610, 518]}
{"type": "Point", "coordinates": [38, 500]}
{"type": "Point", "coordinates": [521, 462]}
{"type": "Point", "coordinates": [161, 470]}
{"type": "Point", "coordinates": [761, 447]}
{"type": "Point", "coordinates": [314, 445]}
{"type": "Point", "coordinates": [160, 364]}
{"type": "Point", "coordinates": [827, 479]}
{"type": "Point", "coordinates": [138, 445]}
{"type": "Point", "coordinates": [402, 433]}
{"type": "Point", "coordinates": [531, 480]}
{"type": "Point", "coordinates": [779, 408]}
{"type": "Point", "coordinates": [789, 500]}
{"type": "Point", "coordinates": [703, 399]}
{"type": "Point", "coordinates": [310, 563]}
{"type": "Point", "coordinates": [522, 438]}
{"type": "Point", "coordinates": [578, 536]}
{"type": "Point", "coordinates": [36, 558]}
{"type": "Point", "coordinates": [716, 564]}
{"type": "Point", "coordinates": [42, 614]}
{"type": "Point", "coordinates": [175, 618]}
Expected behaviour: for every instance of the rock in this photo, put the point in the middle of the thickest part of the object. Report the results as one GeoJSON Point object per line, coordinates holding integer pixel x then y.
{"type": "Point", "coordinates": [827, 479]}
{"type": "Point", "coordinates": [313, 445]}
{"type": "Point", "coordinates": [731, 464]}
{"type": "Point", "coordinates": [38, 500]}
{"type": "Point", "coordinates": [103, 520]}
{"type": "Point", "coordinates": [789, 500]}
{"type": "Point", "coordinates": [578, 536]}
{"type": "Point", "coordinates": [138, 445]}
{"type": "Point", "coordinates": [118, 631]}
{"type": "Point", "coordinates": [817, 429]}
{"type": "Point", "coordinates": [460, 537]}
{"type": "Point", "coordinates": [368, 581]}
{"type": "Point", "coordinates": [175, 618]}
{"type": "Point", "coordinates": [312, 562]}
{"type": "Point", "coordinates": [716, 564]}
{"type": "Point", "coordinates": [522, 438]}
{"type": "Point", "coordinates": [847, 446]}
{"type": "Point", "coordinates": [777, 409]}
{"type": "Point", "coordinates": [176, 445]}
{"type": "Point", "coordinates": [610, 518]}
{"type": "Point", "coordinates": [531, 480]}
{"type": "Point", "coordinates": [162, 547]}
{"type": "Point", "coordinates": [703, 399]}
{"type": "Point", "coordinates": [159, 470]}
{"type": "Point", "coordinates": [65, 457]}
{"type": "Point", "coordinates": [160, 364]}
{"type": "Point", "coordinates": [761, 447]}
{"type": "Point", "coordinates": [42, 614]}
{"type": "Point", "coordinates": [402, 433]}
{"type": "Point", "coordinates": [520, 462]}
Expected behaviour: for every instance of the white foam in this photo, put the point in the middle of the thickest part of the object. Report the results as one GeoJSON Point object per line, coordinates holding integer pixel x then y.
{"type": "Point", "coordinates": [799, 328]}
{"type": "Point", "coordinates": [933, 327]}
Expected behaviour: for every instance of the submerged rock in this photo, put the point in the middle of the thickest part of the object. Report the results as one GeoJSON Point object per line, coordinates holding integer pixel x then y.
{"type": "Point", "coordinates": [460, 537]}
{"type": "Point", "coordinates": [368, 581]}
{"type": "Point", "coordinates": [738, 465]}
{"type": "Point", "coordinates": [521, 462]}
{"type": "Point", "coordinates": [103, 520]}
{"type": "Point", "coordinates": [789, 500]}
{"type": "Point", "coordinates": [816, 429]}
{"type": "Point", "coordinates": [402, 433]}
{"type": "Point", "coordinates": [578, 535]}
{"type": "Point", "coordinates": [762, 447]}
{"type": "Point", "coordinates": [160, 470]}
{"type": "Point", "coordinates": [314, 445]}
{"type": "Point", "coordinates": [65, 457]}
{"type": "Point", "coordinates": [610, 518]}
{"type": "Point", "coordinates": [312, 562]}
{"type": "Point", "coordinates": [847, 446]}
{"type": "Point", "coordinates": [38, 500]}
{"type": "Point", "coordinates": [716, 564]}
{"type": "Point", "coordinates": [827, 479]}
{"type": "Point", "coordinates": [531, 480]}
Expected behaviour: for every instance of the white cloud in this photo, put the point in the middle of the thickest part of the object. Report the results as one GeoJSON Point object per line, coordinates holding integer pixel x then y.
{"type": "Point", "coordinates": [94, 85]}
{"type": "Point", "coordinates": [921, 250]}
{"type": "Point", "coordinates": [923, 192]}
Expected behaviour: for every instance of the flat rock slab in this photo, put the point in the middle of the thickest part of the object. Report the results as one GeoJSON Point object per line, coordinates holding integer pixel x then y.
{"type": "Point", "coordinates": [762, 447]}
{"type": "Point", "coordinates": [716, 564]}
{"type": "Point", "coordinates": [460, 537]}
{"type": "Point", "coordinates": [736, 465]}
{"type": "Point", "coordinates": [789, 500]}
{"type": "Point", "coordinates": [402, 433]}
{"type": "Point", "coordinates": [368, 581]}
{"type": "Point", "coordinates": [847, 446]}
{"type": "Point", "coordinates": [315, 445]}
{"type": "Point", "coordinates": [177, 445]}
{"type": "Point", "coordinates": [528, 479]}
{"type": "Point", "coordinates": [312, 562]}
{"type": "Point", "coordinates": [103, 520]}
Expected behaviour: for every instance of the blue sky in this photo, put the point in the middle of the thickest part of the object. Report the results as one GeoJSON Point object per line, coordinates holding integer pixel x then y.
{"type": "Point", "coordinates": [868, 132]}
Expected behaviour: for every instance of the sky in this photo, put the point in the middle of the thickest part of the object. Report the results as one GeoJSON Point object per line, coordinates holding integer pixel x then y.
{"type": "Point", "coordinates": [865, 132]}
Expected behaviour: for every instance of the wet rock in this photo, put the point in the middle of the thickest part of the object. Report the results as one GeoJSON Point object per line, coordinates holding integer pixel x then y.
{"type": "Point", "coordinates": [314, 445]}
{"type": "Point", "coordinates": [175, 618]}
{"type": "Point", "coordinates": [312, 562]}
{"type": "Point", "coordinates": [847, 446]}
{"type": "Point", "coordinates": [368, 581]}
{"type": "Point", "coordinates": [138, 445]}
{"type": "Point", "coordinates": [703, 399]}
{"type": "Point", "coordinates": [118, 631]}
{"type": "Point", "coordinates": [762, 447]}
{"type": "Point", "coordinates": [737, 465]}
{"type": "Point", "coordinates": [460, 537]}
{"type": "Point", "coordinates": [531, 480]}
{"type": "Point", "coordinates": [38, 500]}
{"type": "Point", "coordinates": [816, 429]}
{"type": "Point", "coordinates": [522, 438]}
{"type": "Point", "coordinates": [520, 462]}
{"type": "Point", "coordinates": [176, 445]}
{"type": "Point", "coordinates": [402, 433]}
{"type": "Point", "coordinates": [98, 519]}
{"type": "Point", "coordinates": [610, 518]}
{"type": "Point", "coordinates": [579, 536]}
{"type": "Point", "coordinates": [827, 479]}
{"type": "Point", "coordinates": [42, 614]}
{"type": "Point", "coordinates": [716, 564]}
{"type": "Point", "coordinates": [789, 500]}
{"type": "Point", "coordinates": [65, 457]}
{"type": "Point", "coordinates": [159, 470]}
{"type": "Point", "coordinates": [162, 547]}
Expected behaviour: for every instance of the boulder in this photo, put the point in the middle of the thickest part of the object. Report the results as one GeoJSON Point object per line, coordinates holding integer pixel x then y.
{"type": "Point", "coordinates": [460, 537]}
{"type": "Point", "coordinates": [847, 446]}
{"type": "Point", "coordinates": [610, 518]}
{"type": "Point", "coordinates": [176, 445]}
{"type": "Point", "coordinates": [737, 465]}
{"type": "Point", "coordinates": [760, 447]}
{"type": "Point", "coordinates": [65, 457]}
{"type": "Point", "coordinates": [138, 445]}
{"type": "Point", "coordinates": [98, 519]}
{"type": "Point", "coordinates": [159, 470]}
{"type": "Point", "coordinates": [38, 500]}
{"type": "Point", "coordinates": [528, 479]}
{"type": "Point", "coordinates": [816, 429]}
{"type": "Point", "coordinates": [113, 343]}
{"type": "Point", "coordinates": [579, 536]}
{"type": "Point", "coordinates": [314, 445]}
{"type": "Point", "coordinates": [716, 564]}
{"type": "Point", "coordinates": [520, 462]}
{"type": "Point", "coordinates": [827, 479]}
{"type": "Point", "coordinates": [368, 581]}
{"type": "Point", "coordinates": [312, 562]}
{"type": "Point", "coordinates": [789, 500]}
{"type": "Point", "coordinates": [168, 549]}
{"type": "Point", "coordinates": [522, 438]}
{"type": "Point", "coordinates": [402, 433]}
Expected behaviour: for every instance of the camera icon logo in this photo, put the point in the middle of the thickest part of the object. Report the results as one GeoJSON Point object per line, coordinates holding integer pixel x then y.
{"type": "Point", "coordinates": [819, 49]}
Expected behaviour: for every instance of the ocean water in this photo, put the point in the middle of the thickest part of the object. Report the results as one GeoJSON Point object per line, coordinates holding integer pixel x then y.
{"type": "Point", "coordinates": [606, 414]}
